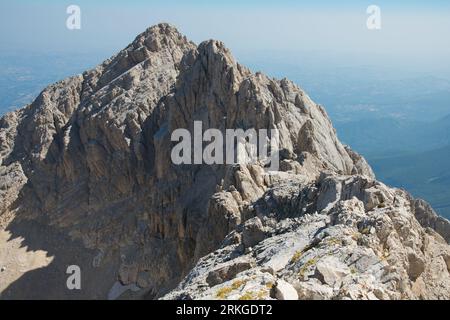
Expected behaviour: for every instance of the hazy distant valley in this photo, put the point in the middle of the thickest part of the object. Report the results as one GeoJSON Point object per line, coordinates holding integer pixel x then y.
{"type": "Point", "coordinates": [400, 121]}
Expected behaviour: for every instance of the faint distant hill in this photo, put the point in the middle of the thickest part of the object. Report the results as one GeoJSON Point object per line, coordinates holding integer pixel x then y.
{"type": "Point", "coordinates": [23, 74]}
{"type": "Point", "coordinates": [425, 175]}
{"type": "Point", "coordinates": [410, 154]}
{"type": "Point", "coordinates": [387, 137]}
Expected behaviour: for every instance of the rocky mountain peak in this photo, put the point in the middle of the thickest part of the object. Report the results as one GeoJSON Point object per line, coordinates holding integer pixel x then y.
{"type": "Point", "coordinates": [86, 177]}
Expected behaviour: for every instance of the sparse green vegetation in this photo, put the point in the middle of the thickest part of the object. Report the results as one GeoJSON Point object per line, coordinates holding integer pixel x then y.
{"type": "Point", "coordinates": [384, 254]}
{"type": "Point", "coordinates": [333, 241]}
{"type": "Point", "coordinates": [262, 294]}
{"type": "Point", "coordinates": [306, 266]}
{"type": "Point", "coordinates": [297, 255]}
{"type": "Point", "coordinates": [238, 283]}
{"type": "Point", "coordinates": [223, 293]}
{"type": "Point", "coordinates": [249, 295]}
{"type": "Point", "coordinates": [356, 236]}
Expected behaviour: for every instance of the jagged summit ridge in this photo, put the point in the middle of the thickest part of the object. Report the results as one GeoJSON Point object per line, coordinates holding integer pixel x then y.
{"type": "Point", "coordinates": [87, 164]}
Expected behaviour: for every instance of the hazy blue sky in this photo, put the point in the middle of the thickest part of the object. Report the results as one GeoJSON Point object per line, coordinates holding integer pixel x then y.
{"type": "Point", "coordinates": [414, 33]}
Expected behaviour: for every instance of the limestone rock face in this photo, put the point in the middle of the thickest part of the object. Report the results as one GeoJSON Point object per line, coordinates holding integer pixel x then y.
{"type": "Point", "coordinates": [86, 177]}
{"type": "Point", "coordinates": [349, 249]}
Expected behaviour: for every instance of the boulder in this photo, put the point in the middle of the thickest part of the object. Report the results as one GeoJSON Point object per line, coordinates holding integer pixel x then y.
{"type": "Point", "coordinates": [253, 233]}
{"type": "Point", "coordinates": [285, 291]}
